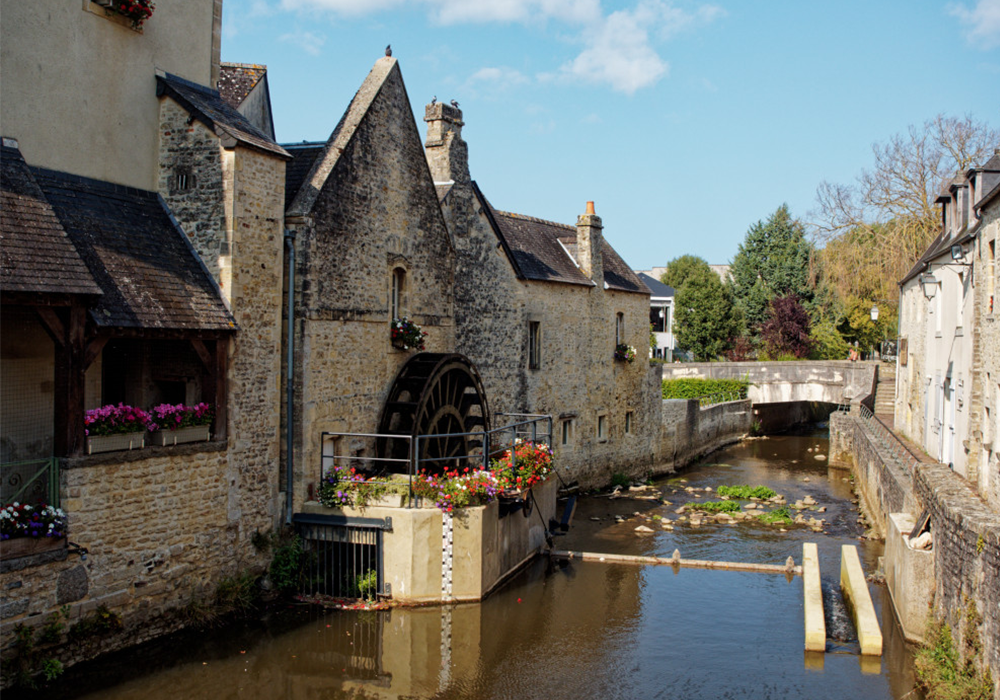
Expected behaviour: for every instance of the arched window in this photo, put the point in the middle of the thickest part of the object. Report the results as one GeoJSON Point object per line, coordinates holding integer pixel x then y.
{"type": "Point", "coordinates": [619, 328]}
{"type": "Point", "coordinates": [396, 294]}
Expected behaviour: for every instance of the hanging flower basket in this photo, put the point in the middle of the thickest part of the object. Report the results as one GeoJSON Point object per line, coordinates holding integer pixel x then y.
{"type": "Point", "coordinates": [406, 335]}
{"type": "Point", "coordinates": [136, 11]}
{"type": "Point", "coordinates": [624, 353]}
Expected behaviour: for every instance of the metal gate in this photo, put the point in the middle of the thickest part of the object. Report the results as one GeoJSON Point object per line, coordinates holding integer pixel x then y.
{"type": "Point", "coordinates": [344, 555]}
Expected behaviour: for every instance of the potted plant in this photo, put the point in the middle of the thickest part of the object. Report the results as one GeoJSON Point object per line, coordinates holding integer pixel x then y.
{"type": "Point", "coordinates": [531, 464]}
{"type": "Point", "coordinates": [179, 423]}
{"type": "Point", "coordinates": [136, 11]}
{"type": "Point", "coordinates": [27, 529]}
{"type": "Point", "coordinates": [624, 353]}
{"type": "Point", "coordinates": [406, 335]}
{"type": "Point", "coordinates": [120, 427]}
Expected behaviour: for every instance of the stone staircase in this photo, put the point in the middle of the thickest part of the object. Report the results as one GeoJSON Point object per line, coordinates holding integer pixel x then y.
{"type": "Point", "coordinates": [885, 392]}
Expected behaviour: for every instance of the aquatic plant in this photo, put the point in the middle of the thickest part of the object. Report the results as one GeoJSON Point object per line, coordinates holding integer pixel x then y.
{"type": "Point", "coordinates": [779, 515]}
{"type": "Point", "coordinates": [743, 491]}
{"type": "Point", "coordinates": [619, 479]}
{"type": "Point", "coordinates": [715, 506]}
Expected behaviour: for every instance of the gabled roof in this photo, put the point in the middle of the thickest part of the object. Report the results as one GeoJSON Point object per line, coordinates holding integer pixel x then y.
{"type": "Point", "coordinates": [237, 80]}
{"type": "Point", "coordinates": [36, 255]}
{"type": "Point", "coordinates": [303, 158]}
{"type": "Point", "coordinates": [150, 276]}
{"type": "Point", "coordinates": [545, 251]}
{"type": "Point", "coordinates": [208, 107]}
{"type": "Point", "coordinates": [304, 196]}
{"type": "Point", "coordinates": [656, 287]}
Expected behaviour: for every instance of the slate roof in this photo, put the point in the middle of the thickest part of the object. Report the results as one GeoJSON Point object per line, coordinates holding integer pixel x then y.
{"type": "Point", "coordinates": [150, 275]}
{"type": "Point", "coordinates": [546, 250]}
{"type": "Point", "coordinates": [36, 255]}
{"type": "Point", "coordinates": [237, 80]}
{"type": "Point", "coordinates": [208, 107]}
{"type": "Point", "coordinates": [656, 287]}
{"type": "Point", "coordinates": [303, 157]}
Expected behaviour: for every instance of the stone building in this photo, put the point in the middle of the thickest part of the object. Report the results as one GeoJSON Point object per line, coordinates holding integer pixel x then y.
{"type": "Point", "coordinates": [946, 393]}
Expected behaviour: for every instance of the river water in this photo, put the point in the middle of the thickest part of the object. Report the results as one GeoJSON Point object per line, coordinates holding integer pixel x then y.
{"type": "Point", "coordinates": [573, 630]}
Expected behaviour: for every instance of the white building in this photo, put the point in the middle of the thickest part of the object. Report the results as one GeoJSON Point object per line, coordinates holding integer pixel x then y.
{"type": "Point", "coordinates": [661, 317]}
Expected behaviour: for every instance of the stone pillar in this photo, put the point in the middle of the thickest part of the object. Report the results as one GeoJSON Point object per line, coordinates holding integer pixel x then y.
{"type": "Point", "coordinates": [447, 154]}
{"type": "Point", "coordinates": [589, 242]}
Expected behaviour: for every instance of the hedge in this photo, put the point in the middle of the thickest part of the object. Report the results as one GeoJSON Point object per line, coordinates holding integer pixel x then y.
{"type": "Point", "coordinates": [696, 388]}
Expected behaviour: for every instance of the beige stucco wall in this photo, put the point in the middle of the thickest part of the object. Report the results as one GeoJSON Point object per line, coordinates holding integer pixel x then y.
{"type": "Point", "coordinates": [27, 366]}
{"type": "Point", "coordinates": [77, 88]}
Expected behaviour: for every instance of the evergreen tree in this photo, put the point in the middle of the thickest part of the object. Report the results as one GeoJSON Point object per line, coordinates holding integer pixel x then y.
{"type": "Point", "coordinates": [773, 261]}
{"type": "Point", "coordinates": [705, 320]}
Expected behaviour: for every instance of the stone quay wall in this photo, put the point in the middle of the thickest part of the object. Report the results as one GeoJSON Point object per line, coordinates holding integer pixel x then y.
{"type": "Point", "coordinates": [689, 431]}
{"type": "Point", "coordinates": [159, 535]}
{"type": "Point", "coordinates": [966, 528]}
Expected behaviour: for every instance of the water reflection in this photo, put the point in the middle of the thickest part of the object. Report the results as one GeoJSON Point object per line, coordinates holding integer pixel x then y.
{"type": "Point", "coordinates": [576, 630]}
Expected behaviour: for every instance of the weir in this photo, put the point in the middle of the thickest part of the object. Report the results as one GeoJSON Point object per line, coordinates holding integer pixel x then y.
{"type": "Point", "coordinates": [788, 567]}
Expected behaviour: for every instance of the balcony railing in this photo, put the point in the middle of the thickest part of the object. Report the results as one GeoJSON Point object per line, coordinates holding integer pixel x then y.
{"type": "Point", "coordinates": [30, 481]}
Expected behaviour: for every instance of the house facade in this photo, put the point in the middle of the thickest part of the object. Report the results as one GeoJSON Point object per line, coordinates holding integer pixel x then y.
{"type": "Point", "coordinates": [946, 389]}
{"type": "Point", "coordinates": [661, 317]}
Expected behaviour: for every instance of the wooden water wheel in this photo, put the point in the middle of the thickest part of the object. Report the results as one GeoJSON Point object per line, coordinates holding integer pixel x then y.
{"type": "Point", "coordinates": [434, 394]}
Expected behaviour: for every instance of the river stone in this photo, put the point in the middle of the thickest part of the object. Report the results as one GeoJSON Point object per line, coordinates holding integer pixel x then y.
{"type": "Point", "coordinates": [821, 458]}
{"type": "Point", "coordinates": [680, 510]}
{"type": "Point", "coordinates": [643, 530]}
{"type": "Point", "coordinates": [821, 509]}
{"type": "Point", "coordinates": [750, 506]}
{"type": "Point", "coordinates": [708, 488]}
{"type": "Point", "coordinates": [809, 501]}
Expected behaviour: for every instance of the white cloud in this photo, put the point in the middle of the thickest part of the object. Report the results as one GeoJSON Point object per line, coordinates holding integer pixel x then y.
{"type": "Point", "coordinates": [498, 78]}
{"type": "Point", "coordinates": [311, 43]}
{"type": "Point", "coordinates": [458, 11]}
{"type": "Point", "coordinates": [342, 7]}
{"type": "Point", "coordinates": [982, 22]}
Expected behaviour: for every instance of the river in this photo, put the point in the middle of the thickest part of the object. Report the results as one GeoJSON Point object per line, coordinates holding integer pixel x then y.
{"type": "Point", "coordinates": [573, 630]}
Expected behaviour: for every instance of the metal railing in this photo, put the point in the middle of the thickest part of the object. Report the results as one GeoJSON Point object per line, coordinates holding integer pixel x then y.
{"type": "Point", "coordinates": [887, 440]}
{"type": "Point", "coordinates": [30, 481]}
{"type": "Point", "coordinates": [345, 556]}
{"type": "Point", "coordinates": [361, 452]}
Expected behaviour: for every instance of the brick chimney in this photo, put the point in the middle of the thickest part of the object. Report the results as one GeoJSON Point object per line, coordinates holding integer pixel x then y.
{"type": "Point", "coordinates": [447, 154]}
{"type": "Point", "coordinates": [589, 242]}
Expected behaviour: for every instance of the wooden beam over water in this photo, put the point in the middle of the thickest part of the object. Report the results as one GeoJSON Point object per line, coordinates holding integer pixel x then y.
{"type": "Point", "coordinates": [787, 568]}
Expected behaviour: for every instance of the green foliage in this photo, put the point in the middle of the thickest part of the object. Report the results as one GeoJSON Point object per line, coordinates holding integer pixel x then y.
{"type": "Point", "coordinates": [237, 593]}
{"type": "Point", "coordinates": [705, 320]}
{"type": "Point", "coordinates": [743, 491]}
{"type": "Point", "coordinates": [773, 261]}
{"type": "Point", "coordinates": [51, 669]}
{"type": "Point", "coordinates": [941, 671]}
{"type": "Point", "coordinates": [857, 324]}
{"type": "Point", "coordinates": [779, 515]}
{"type": "Point", "coordinates": [99, 623]}
{"type": "Point", "coordinates": [695, 388]}
{"type": "Point", "coordinates": [715, 506]}
{"type": "Point", "coordinates": [619, 479]}
{"type": "Point", "coordinates": [54, 626]}
{"type": "Point", "coordinates": [828, 343]}
{"type": "Point", "coordinates": [286, 569]}
{"type": "Point", "coordinates": [365, 585]}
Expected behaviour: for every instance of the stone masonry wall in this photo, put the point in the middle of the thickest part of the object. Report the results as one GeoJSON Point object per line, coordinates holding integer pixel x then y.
{"type": "Point", "coordinates": [689, 431]}
{"type": "Point", "coordinates": [158, 535]}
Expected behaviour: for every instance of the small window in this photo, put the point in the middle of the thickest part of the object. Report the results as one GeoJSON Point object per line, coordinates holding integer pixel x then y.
{"type": "Point", "coordinates": [534, 345]}
{"type": "Point", "coordinates": [658, 319]}
{"type": "Point", "coordinates": [396, 293]}
{"type": "Point", "coordinates": [183, 180]}
{"type": "Point", "coordinates": [567, 432]}
{"type": "Point", "coordinates": [602, 427]}
{"type": "Point", "coordinates": [619, 328]}
{"type": "Point", "coordinates": [629, 420]}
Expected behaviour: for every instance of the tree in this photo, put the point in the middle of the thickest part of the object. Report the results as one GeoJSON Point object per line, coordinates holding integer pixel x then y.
{"type": "Point", "coordinates": [877, 228]}
{"type": "Point", "coordinates": [705, 320]}
{"type": "Point", "coordinates": [786, 330]}
{"type": "Point", "coordinates": [773, 261]}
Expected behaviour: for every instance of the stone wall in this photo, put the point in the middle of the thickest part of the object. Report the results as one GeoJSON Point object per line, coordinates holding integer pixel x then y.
{"type": "Point", "coordinates": [689, 431]}
{"type": "Point", "coordinates": [158, 533]}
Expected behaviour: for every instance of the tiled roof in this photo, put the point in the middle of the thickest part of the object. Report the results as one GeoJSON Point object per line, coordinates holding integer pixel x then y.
{"type": "Point", "coordinates": [303, 156]}
{"type": "Point", "coordinates": [656, 287]}
{"type": "Point", "coordinates": [208, 107]}
{"type": "Point", "coordinates": [150, 275]}
{"type": "Point", "coordinates": [36, 255]}
{"type": "Point", "coordinates": [546, 251]}
{"type": "Point", "coordinates": [236, 80]}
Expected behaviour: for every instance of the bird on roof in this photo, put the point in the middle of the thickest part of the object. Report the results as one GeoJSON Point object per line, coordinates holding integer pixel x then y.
{"type": "Point", "coordinates": [434, 100]}
{"type": "Point", "coordinates": [388, 49]}
{"type": "Point", "coordinates": [454, 104]}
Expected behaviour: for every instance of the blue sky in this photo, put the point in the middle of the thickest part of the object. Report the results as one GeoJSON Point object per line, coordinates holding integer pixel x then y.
{"type": "Point", "coordinates": [685, 122]}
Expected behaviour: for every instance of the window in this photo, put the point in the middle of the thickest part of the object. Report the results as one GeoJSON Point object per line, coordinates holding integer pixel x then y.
{"type": "Point", "coordinates": [658, 319]}
{"type": "Point", "coordinates": [602, 427]}
{"type": "Point", "coordinates": [534, 345]}
{"type": "Point", "coordinates": [619, 328]}
{"type": "Point", "coordinates": [991, 276]}
{"type": "Point", "coordinates": [396, 294]}
{"type": "Point", "coordinates": [629, 421]}
{"type": "Point", "coordinates": [566, 431]}
{"type": "Point", "coordinates": [183, 180]}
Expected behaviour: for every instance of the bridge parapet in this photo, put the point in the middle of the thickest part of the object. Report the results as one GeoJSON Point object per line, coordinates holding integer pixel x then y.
{"type": "Point", "coordinates": [829, 381]}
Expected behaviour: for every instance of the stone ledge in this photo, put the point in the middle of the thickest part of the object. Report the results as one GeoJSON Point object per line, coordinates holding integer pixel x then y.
{"type": "Point", "coordinates": [124, 456]}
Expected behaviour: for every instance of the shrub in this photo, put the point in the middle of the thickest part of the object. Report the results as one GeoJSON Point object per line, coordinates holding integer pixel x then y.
{"type": "Point", "coordinates": [696, 388]}
{"type": "Point", "coordinates": [286, 567]}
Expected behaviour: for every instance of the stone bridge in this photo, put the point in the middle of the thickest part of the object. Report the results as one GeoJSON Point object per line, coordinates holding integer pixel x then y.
{"type": "Point", "coordinates": [831, 381]}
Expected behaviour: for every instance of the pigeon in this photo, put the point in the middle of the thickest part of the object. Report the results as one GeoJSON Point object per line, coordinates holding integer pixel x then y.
{"type": "Point", "coordinates": [454, 104]}
{"type": "Point", "coordinates": [388, 50]}
{"type": "Point", "coordinates": [434, 100]}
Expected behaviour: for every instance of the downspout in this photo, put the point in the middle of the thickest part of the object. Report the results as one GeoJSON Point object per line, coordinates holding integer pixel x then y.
{"type": "Point", "coordinates": [289, 376]}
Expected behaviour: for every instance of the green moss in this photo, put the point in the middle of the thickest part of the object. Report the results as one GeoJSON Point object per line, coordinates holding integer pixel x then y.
{"type": "Point", "coordinates": [744, 491]}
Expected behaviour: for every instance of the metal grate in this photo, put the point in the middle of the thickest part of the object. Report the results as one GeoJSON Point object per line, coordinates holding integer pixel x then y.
{"type": "Point", "coordinates": [345, 555]}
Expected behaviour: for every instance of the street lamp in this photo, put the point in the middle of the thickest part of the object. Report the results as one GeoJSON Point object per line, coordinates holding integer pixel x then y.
{"type": "Point", "coordinates": [930, 285]}
{"type": "Point", "coordinates": [874, 313]}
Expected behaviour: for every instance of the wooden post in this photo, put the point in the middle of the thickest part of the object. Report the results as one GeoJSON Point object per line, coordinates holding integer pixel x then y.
{"type": "Point", "coordinates": [70, 382]}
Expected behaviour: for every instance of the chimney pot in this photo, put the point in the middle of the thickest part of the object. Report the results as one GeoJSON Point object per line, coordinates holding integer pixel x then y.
{"type": "Point", "coordinates": [590, 208]}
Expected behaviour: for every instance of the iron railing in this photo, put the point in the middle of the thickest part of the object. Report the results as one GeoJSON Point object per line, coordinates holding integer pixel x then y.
{"type": "Point", "coordinates": [884, 438]}
{"type": "Point", "coordinates": [30, 481]}
{"type": "Point", "coordinates": [344, 556]}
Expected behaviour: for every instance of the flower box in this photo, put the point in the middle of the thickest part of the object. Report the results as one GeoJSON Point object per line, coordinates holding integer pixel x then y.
{"type": "Point", "coordinates": [192, 433]}
{"type": "Point", "coordinates": [113, 443]}
{"type": "Point", "coordinates": [26, 546]}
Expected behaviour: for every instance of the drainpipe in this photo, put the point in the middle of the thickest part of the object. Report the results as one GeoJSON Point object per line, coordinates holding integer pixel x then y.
{"type": "Point", "coordinates": [289, 376]}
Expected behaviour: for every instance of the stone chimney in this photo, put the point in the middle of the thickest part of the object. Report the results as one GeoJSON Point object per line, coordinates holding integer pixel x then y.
{"type": "Point", "coordinates": [447, 154]}
{"type": "Point", "coordinates": [589, 243]}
